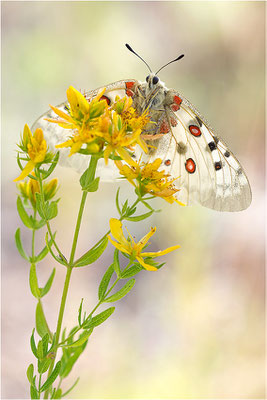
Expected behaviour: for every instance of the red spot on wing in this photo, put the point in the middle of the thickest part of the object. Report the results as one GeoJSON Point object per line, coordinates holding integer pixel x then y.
{"type": "Point", "coordinates": [175, 107]}
{"type": "Point", "coordinates": [190, 165]}
{"type": "Point", "coordinates": [129, 92]}
{"type": "Point", "coordinates": [177, 100]}
{"type": "Point", "coordinates": [167, 162]}
{"type": "Point", "coordinates": [164, 127]}
{"type": "Point", "coordinates": [105, 98]}
{"type": "Point", "coordinates": [195, 130]}
{"type": "Point", "coordinates": [129, 85]}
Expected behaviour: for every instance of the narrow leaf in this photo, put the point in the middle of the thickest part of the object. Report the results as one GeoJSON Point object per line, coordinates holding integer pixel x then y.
{"type": "Point", "coordinates": [45, 250]}
{"type": "Point", "coordinates": [40, 206]}
{"type": "Point", "coordinates": [71, 361]}
{"type": "Point", "coordinates": [33, 345]}
{"type": "Point", "coordinates": [80, 313]}
{"type": "Point", "coordinates": [132, 271]}
{"type": "Point", "coordinates": [117, 201]}
{"type": "Point", "coordinates": [105, 282]}
{"type": "Point", "coordinates": [30, 371]}
{"type": "Point", "coordinates": [122, 292]}
{"type": "Point", "coordinates": [99, 318]}
{"type": "Point", "coordinates": [58, 394]}
{"type": "Point", "coordinates": [41, 324]}
{"type": "Point", "coordinates": [139, 217]}
{"type": "Point", "coordinates": [52, 210]}
{"type": "Point", "coordinates": [124, 207]}
{"type": "Point", "coordinates": [34, 393]}
{"type": "Point", "coordinates": [58, 259]}
{"type": "Point", "coordinates": [43, 365]}
{"type": "Point", "coordinates": [93, 254]}
{"type": "Point", "coordinates": [93, 186]}
{"type": "Point", "coordinates": [27, 221]}
{"type": "Point", "coordinates": [82, 339]}
{"type": "Point", "coordinates": [52, 377]}
{"type": "Point", "coordinates": [116, 263]}
{"type": "Point", "coordinates": [52, 166]}
{"type": "Point", "coordinates": [19, 245]}
{"type": "Point", "coordinates": [48, 284]}
{"type": "Point", "coordinates": [34, 282]}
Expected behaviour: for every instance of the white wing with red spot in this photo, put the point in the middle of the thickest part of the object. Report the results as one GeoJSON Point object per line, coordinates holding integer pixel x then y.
{"type": "Point", "coordinates": [207, 172]}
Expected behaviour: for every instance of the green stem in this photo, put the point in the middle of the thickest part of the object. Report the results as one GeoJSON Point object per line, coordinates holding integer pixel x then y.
{"type": "Point", "coordinates": [91, 174]}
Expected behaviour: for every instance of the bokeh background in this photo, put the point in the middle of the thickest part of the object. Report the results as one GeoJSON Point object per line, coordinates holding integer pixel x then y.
{"type": "Point", "coordinates": [194, 329]}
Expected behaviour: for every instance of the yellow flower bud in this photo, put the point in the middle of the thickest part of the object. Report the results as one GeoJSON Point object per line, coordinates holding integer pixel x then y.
{"type": "Point", "coordinates": [50, 189]}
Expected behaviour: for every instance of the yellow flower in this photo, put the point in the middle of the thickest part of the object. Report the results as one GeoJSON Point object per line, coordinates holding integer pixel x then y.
{"type": "Point", "coordinates": [28, 189]}
{"type": "Point", "coordinates": [149, 179]}
{"type": "Point", "coordinates": [98, 125]}
{"type": "Point", "coordinates": [36, 148]}
{"type": "Point", "coordinates": [119, 139]}
{"type": "Point", "coordinates": [81, 112]}
{"type": "Point", "coordinates": [133, 249]}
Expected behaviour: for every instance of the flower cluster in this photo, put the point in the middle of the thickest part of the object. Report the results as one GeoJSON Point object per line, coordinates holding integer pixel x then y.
{"type": "Point", "coordinates": [28, 189]}
{"type": "Point", "coordinates": [35, 148]}
{"type": "Point", "coordinates": [115, 129]}
{"type": "Point", "coordinates": [148, 179]}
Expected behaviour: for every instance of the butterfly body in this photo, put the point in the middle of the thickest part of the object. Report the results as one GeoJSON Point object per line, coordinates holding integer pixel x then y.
{"type": "Point", "coordinates": [207, 172]}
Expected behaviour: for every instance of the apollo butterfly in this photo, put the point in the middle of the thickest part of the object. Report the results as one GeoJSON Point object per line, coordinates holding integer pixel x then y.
{"type": "Point", "coordinates": [207, 172]}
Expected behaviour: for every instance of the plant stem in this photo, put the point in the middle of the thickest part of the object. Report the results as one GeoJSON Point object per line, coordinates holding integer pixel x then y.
{"type": "Point", "coordinates": [91, 172]}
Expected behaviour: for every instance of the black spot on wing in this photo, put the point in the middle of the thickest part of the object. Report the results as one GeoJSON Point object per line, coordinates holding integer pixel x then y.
{"type": "Point", "coordinates": [212, 146]}
{"type": "Point", "coordinates": [218, 165]}
{"type": "Point", "coordinates": [227, 153]}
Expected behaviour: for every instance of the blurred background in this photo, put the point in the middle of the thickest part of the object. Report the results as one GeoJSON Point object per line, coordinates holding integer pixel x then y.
{"type": "Point", "coordinates": [194, 329]}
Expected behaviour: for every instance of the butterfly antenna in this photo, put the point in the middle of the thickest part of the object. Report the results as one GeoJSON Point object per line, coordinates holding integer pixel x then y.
{"type": "Point", "coordinates": [129, 48]}
{"type": "Point", "coordinates": [176, 59]}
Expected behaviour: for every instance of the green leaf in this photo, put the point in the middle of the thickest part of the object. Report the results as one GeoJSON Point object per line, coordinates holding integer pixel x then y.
{"type": "Point", "coordinates": [99, 318]}
{"type": "Point", "coordinates": [40, 205]}
{"type": "Point", "coordinates": [45, 250]}
{"type": "Point", "coordinates": [58, 394]}
{"type": "Point", "coordinates": [71, 361]}
{"type": "Point", "coordinates": [34, 282]}
{"type": "Point", "coordinates": [93, 254]}
{"type": "Point", "coordinates": [132, 271]}
{"type": "Point", "coordinates": [27, 221]}
{"type": "Point", "coordinates": [40, 321]}
{"type": "Point", "coordinates": [139, 217]}
{"type": "Point", "coordinates": [93, 186]}
{"type": "Point", "coordinates": [122, 292]}
{"type": "Point", "coordinates": [117, 201]}
{"type": "Point", "coordinates": [52, 209]}
{"type": "Point", "coordinates": [19, 245]}
{"type": "Point", "coordinates": [34, 393]}
{"type": "Point", "coordinates": [52, 167]}
{"type": "Point", "coordinates": [88, 176]}
{"type": "Point", "coordinates": [124, 207]}
{"type": "Point", "coordinates": [52, 377]}
{"type": "Point", "coordinates": [30, 371]}
{"type": "Point", "coordinates": [116, 263]}
{"type": "Point", "coordinates": [33, 345]}
{"type": "Point", "coordinates": [105, 282]}
{"type": "Point", "coordinates": [39, 224]}
{"type": "Point", "coordinates": [80, 313]}
{"type": "Point", "coordinates": [43, 365]}
{"type": "Point", "coordinates": [82, 339]}
{"type": "Point", "coordinates": [58, 259]}
{"type": "Point", "coordinates": [45, 341]}
{"type": "Point", "coordinates": [48, 284]}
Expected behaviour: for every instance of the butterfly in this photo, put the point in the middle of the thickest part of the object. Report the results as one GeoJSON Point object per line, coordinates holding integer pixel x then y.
{"type": "Point", "coordinates": [207, 172]}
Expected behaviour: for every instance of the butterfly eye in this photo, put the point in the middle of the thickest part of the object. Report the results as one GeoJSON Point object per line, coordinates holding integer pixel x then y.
{"type": "Point", "coordinates": [147, 78]}
{"type": "Point", "coordinates": [155, 80]}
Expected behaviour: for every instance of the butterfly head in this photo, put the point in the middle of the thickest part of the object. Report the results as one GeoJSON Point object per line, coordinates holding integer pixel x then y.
{"type": "Point", "coordinates": [153, 81]}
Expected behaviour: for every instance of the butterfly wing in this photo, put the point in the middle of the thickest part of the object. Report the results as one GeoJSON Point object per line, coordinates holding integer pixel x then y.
{"type": "Point", "coordinates": [54, 134]}
{"type": "Point", "coordinates": [207, 172]}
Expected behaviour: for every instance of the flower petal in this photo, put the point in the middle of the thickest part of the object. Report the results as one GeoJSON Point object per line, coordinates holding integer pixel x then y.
{"type": "Point", "coordinates": [118, 245]}
{"type": "Point", "coordinates": [116, 230]}
{"type": "Point", "coordinates": [26, 170]}
{"type": "Point", "coordinates": [145, 265]}
{"type": "Point", "coordinates": [145, 239]}
{"type": "Point", "coordinates": [160, 253]}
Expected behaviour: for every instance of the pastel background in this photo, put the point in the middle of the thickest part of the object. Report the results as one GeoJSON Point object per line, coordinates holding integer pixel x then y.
{"type": "Point", "coordinates": [195, 329]}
